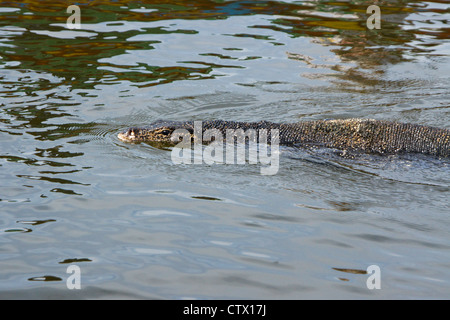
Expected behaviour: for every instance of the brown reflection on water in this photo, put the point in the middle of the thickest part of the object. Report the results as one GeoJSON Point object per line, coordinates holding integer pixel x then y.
{"type": "Point", "coordinates": [354, 271]}
{"type": "Point", "coordinates": [77, 59]}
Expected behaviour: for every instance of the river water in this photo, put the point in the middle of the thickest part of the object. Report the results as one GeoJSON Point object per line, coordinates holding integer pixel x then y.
{"type": "Point", "coordinates": [138, 225]}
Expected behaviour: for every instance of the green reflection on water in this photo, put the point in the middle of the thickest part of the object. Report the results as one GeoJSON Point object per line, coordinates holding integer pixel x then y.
{"type": "Point", "coordinates": [76, 61]}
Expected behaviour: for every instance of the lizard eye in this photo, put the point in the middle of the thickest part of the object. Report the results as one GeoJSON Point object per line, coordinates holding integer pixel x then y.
{"type": "Point", "coordinates": [165, 132]}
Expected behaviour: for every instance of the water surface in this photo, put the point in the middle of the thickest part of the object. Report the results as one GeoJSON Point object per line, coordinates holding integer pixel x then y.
{"type": "Point", "coordinates": [140, 226]}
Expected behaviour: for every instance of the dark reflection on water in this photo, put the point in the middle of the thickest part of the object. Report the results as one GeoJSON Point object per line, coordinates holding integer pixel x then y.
{"type": "Point", "coordinates": [45, 278]}
{"type": "Point", "coordinates": [140, 226]}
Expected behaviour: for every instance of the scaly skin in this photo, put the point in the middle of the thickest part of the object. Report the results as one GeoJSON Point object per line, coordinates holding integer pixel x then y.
{"type": "Point", "coordinates": [364, 135]}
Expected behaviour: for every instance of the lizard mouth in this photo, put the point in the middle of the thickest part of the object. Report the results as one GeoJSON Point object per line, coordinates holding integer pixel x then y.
{"type": "Point", "coordinates": [122, 136]}
{"type": "Point", "coordinates": [127, 135]}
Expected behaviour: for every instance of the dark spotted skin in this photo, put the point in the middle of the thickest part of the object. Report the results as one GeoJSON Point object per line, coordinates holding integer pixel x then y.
{"type": "Point", "coordinates": [364, 135]}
